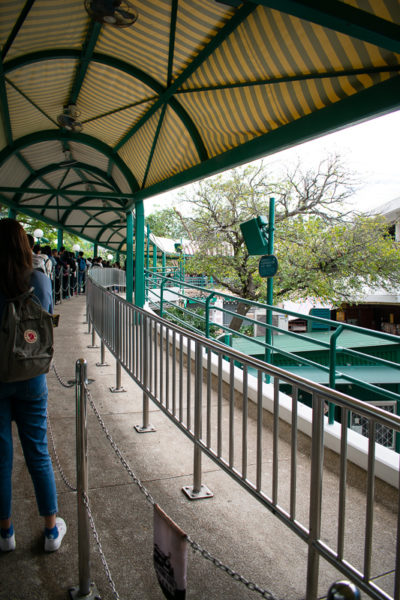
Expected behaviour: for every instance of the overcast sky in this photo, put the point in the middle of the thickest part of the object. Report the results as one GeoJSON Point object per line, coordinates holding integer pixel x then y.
{"type": "Point", "coordinates": [371, 149]}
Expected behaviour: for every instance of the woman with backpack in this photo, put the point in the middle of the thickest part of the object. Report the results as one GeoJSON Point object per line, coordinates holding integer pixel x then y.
{"type": "Point", "coordinates": [25, 402]}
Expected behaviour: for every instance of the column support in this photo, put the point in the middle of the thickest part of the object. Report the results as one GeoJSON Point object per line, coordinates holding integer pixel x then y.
{"type": "Point", "coordinates": [139, 254]}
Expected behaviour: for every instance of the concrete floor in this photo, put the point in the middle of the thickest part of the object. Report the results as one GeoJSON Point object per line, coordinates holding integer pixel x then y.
{"type": "Point", "coordinates": [232, 526]}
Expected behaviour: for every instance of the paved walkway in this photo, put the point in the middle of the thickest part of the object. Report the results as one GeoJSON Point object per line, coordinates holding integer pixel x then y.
{"type": "Point", "coordinates": [232, 525]}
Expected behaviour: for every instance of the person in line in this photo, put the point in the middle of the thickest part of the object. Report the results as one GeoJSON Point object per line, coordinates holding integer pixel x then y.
{"type": "Point", "coordinates": [25, 402]}
{"type": "Point", "coordinates": [82, 268]}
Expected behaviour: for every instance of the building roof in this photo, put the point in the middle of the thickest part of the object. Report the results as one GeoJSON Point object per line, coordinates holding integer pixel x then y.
{"type": "Point", "coordinates": [192, 88]}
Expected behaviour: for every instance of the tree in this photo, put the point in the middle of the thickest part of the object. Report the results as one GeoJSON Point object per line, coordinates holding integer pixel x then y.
{"type": "Point", "coordinates": [323, 250]}
{"type": "Point", "coordinates": [166, 223]}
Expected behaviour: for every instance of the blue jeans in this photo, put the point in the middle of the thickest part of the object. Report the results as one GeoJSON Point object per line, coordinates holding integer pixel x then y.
{"type": "Point", "coordinates": [25, 402]}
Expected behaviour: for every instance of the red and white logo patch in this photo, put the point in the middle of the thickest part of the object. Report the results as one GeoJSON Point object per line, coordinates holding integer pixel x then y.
{"type": "Point", "coordinates": [30, 336]}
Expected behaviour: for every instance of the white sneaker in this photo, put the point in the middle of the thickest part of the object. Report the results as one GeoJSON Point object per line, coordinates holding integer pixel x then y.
{"type": "Point", "coordinates": [8, 543]}
{"type": "Point", "coordinates": [51, 544]}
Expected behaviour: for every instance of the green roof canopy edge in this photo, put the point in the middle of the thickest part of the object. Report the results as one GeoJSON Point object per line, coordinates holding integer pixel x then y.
{"type": "Point", "coordinates": [377, 100]}
{"type": "Point", "coordinates": [120, 65]}
{"type": "Point", "coordinates": [343, 18]}
{"type": "Point", "coordinates": [82, 138]}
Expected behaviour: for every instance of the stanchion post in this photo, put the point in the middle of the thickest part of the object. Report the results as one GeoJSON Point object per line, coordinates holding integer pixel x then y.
{"type": "Point", "coordinates": [145, 427]}
{"type": "Point", "coordinates": [86, 588]}
{"type": "Point", "coordinates": [197, 491]}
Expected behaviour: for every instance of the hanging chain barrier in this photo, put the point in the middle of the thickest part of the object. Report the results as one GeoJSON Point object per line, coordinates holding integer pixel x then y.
{"type": "Point", "coordinates": [58, 463]}
{"type": "Point", "coordinates": [100, 548]}
{"type": "Point", "coordinates": [194, 545]}
{"type": "Point", "coordinates": [69, 384]}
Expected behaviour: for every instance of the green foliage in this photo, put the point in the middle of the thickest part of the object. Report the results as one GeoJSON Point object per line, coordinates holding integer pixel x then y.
{"type": "Point", "coordinates": [323, 251]}
{"type": "Point", "coordinates": [192, 316]}
{"type": "Point", "coordinates": [166, 223]}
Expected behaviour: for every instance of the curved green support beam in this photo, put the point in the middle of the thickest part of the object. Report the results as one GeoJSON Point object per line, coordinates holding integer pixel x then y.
{"type": "Point", "coordinates": [120, 65]}
{"type": "Point", "coordinates": [51, 168]}
{"type": "Point", "coordinates": [104, 228]}
{"type": "Point", "coordinates": [80, 138]}
{"type": "Point", "coordinates": [52, 222]}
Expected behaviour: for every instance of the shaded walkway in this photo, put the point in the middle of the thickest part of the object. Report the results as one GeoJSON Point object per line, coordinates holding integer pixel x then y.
{"type": "Point", "coordinates": [232, 525]}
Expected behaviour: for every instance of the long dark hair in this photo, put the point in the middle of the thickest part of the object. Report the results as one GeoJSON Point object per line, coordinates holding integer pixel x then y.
{"type": "Point", "coordinates": [15, 258]}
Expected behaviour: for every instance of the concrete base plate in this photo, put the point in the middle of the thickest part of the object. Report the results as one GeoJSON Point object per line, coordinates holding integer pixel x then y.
{"type": "Point", "coordinates": [93, 594]}
{"type": "Point", "coordinates": [203, 492]}
{"type": "Point", "coordinates": [141, 429]}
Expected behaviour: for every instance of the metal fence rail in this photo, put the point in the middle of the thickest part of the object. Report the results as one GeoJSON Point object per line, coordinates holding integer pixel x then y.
{"type": "Point", "coordinates": [178, 370]}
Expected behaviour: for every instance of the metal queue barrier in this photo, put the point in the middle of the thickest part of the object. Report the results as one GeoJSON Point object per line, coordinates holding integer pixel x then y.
{"type": "Point", "coordinates": [180, 371]}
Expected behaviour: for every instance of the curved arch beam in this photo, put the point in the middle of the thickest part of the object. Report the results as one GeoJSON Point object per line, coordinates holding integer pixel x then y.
{"type": "Point", "coordinates": [121, 66]}
{"type": "Point", "coordinates": [108, 181]}
{"type": "Point", "coordinates": [104, 228]}
{"type": "Point", "coordinates": [82, 138]}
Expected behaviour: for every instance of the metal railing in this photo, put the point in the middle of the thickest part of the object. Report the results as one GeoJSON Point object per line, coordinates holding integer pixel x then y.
{"type": "Point", "coordinates": [335, 362]}
{"type": "Point", "coordinates": [183, 374]}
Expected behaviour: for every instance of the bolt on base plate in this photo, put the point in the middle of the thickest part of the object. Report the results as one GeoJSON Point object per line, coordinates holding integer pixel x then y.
{"type": "Point", "coordinates": [92, 595]}
{"type": "Point", "coordinates": [147, 429]}
{"type": "Point", "coordinates": [204, 492]}
{"type": "Point", "coordinates": [116, 390]}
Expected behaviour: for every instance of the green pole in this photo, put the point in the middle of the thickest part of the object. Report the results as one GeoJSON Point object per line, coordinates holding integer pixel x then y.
{"type": "Point", "coordinates": [270, 284]}
{"type": "Point", "coordinates": [59, 238]}
{"type": "Point", "coordinates": [148, 247]}
{"type": "Point", "coordinates": [155, 264]}
{"type": "Point", "coordinates": [117, 258]}
{"type": "Point", "coordinates": [332, 371]}
{"type": "Point", "coordinates": [12, 213]}
{"type": "Point", "coordinates": [95, 250]}
{"type": "Point", "coordinates": [139, 255]}
{"type": "Point", "coordinates": [164, 263]}
{"type": "Point", "coordinates": [129, 256]}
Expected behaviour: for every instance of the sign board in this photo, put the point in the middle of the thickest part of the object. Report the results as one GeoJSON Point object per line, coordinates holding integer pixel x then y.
{"type": "Point", "coordinates": [268, 266]}
{"type": "Point", "coordinates": [255, 234]}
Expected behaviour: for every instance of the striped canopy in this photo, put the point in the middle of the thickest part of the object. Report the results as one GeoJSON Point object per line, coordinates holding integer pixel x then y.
{"type": "Point", "coordinates": [192, 88]}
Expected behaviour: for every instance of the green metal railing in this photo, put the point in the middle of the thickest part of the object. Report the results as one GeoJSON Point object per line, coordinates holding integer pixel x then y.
{"type": "Point", "coordinates": [173, 292]}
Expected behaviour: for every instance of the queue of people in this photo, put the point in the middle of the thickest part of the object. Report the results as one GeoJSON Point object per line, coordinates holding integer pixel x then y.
{"type": "Point", "coordinates": [66, 270]}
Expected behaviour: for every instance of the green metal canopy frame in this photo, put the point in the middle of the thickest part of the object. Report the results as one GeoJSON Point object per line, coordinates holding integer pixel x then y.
{"type": "Point", "coordinates": [194, 87]}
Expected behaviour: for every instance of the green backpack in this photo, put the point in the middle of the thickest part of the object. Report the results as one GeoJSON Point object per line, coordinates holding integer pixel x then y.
{"type": "Point", "coordinates": [26, 339]}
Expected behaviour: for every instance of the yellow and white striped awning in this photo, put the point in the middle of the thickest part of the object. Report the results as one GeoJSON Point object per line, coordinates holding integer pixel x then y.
{"type": "Point", "coordinates": [193, 87]}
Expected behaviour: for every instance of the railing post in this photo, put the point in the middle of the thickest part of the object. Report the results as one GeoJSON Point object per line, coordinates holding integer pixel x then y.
{"type": "Point", "coordinates": [317, 459]}
{"type": "Point", "coordinates": [197, 490]}
{"type": "Point", "coordinates": [146, 427]}
{"type": "Point", "coordinates": [93, 344]}
{"type": "Point", "coordinates": [86, 588]}
{"type": "Point", "coordinates": [118, 389]}
{"type": "Point", "coordinates": [332, 371]}
{"type": "Point", "coordinates": [208, 300]}
{"type": "Point", "coordinates": [102, 362]}
{"type": "Point", "coordinates": [164, 281]}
